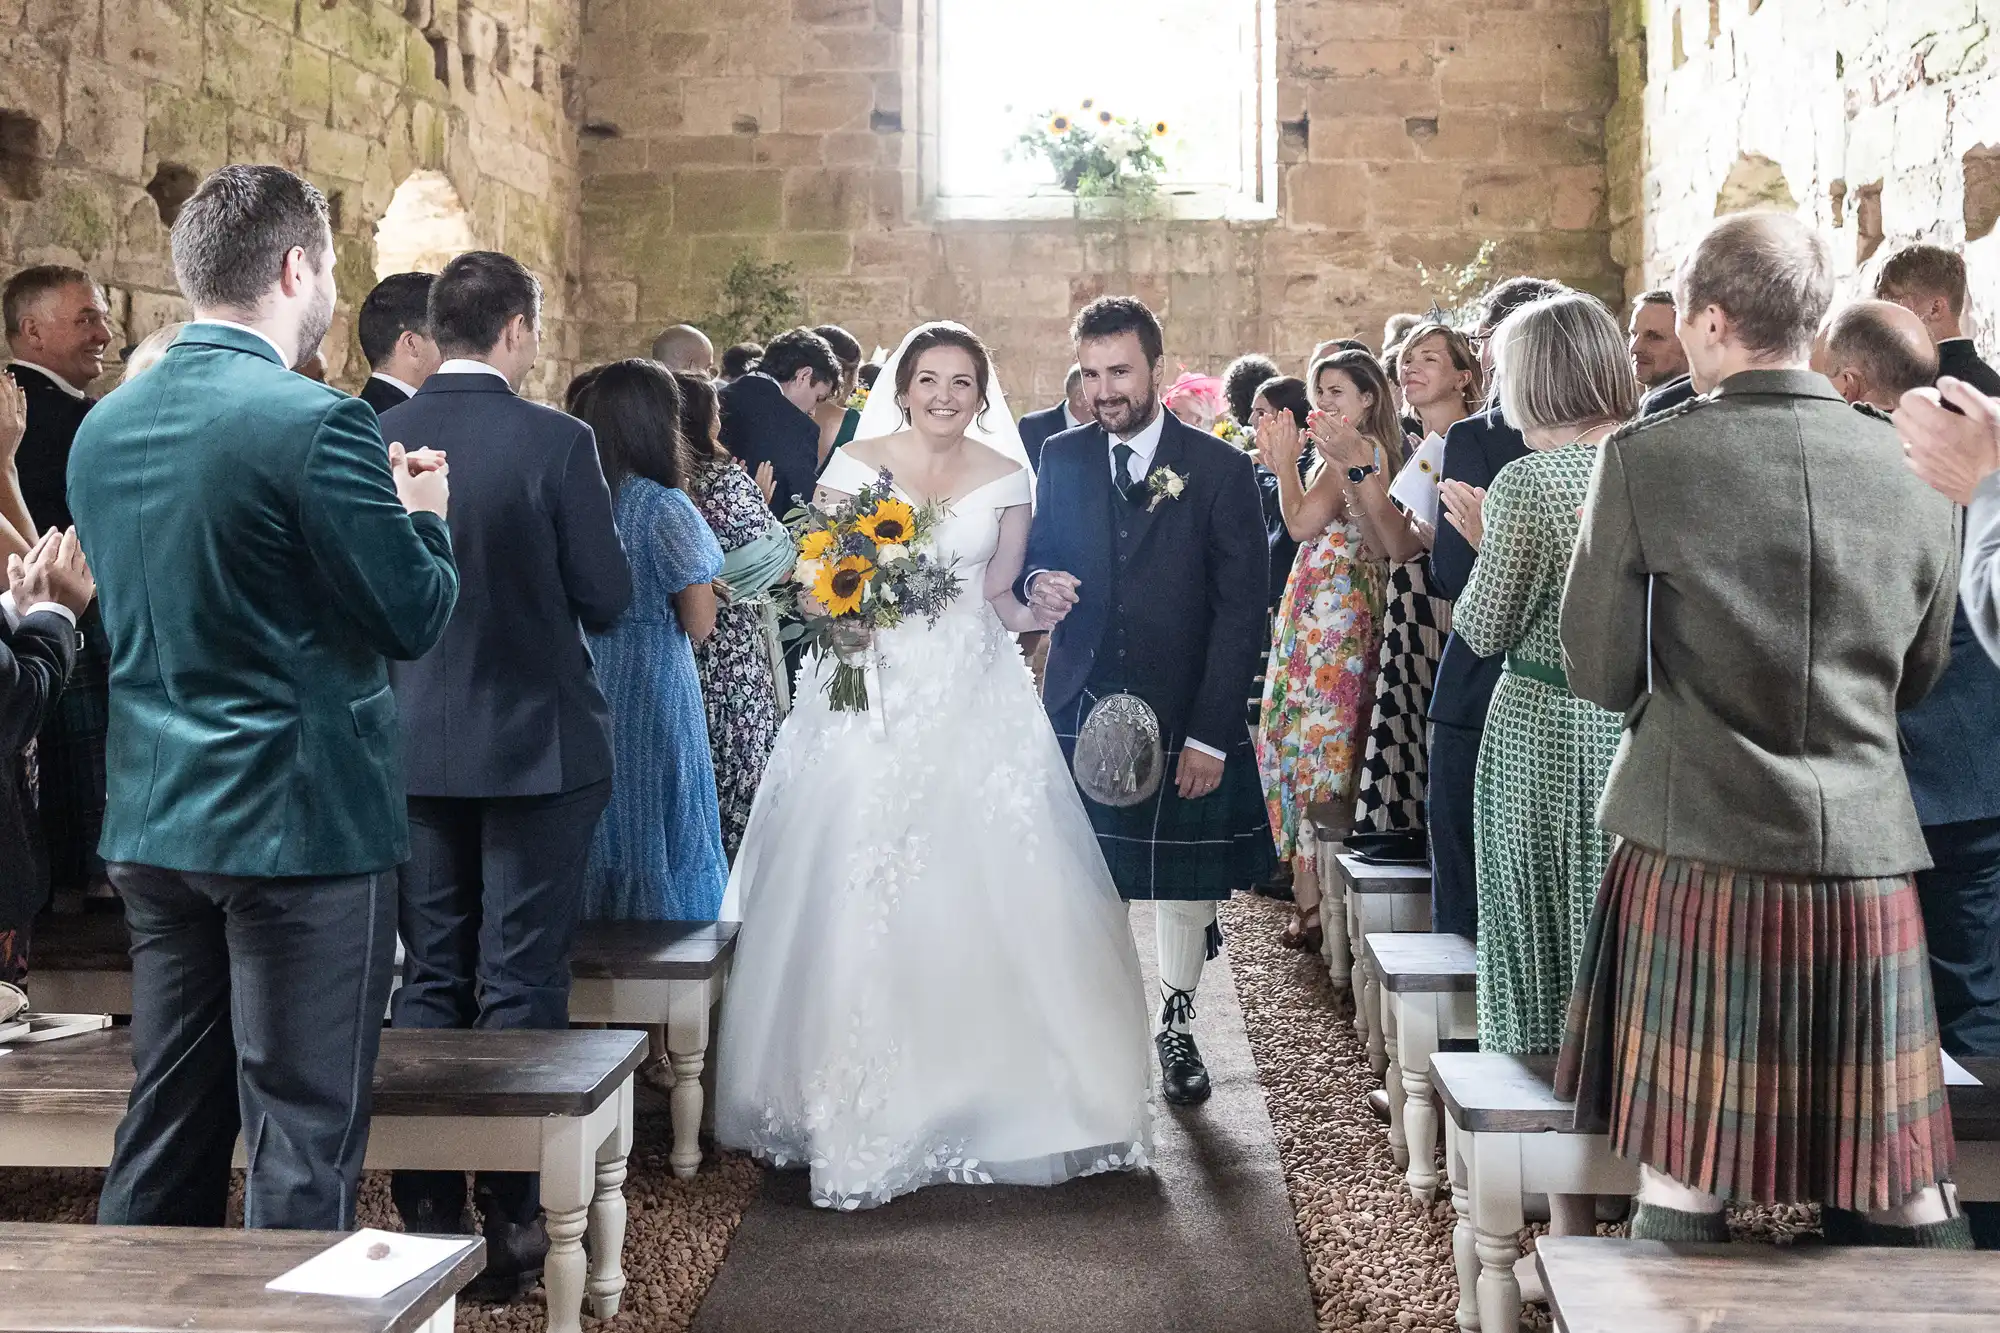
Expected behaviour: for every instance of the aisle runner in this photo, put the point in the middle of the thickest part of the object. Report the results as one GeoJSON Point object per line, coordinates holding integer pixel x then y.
{"type": "Point", "coordinates": [1206, 1242]}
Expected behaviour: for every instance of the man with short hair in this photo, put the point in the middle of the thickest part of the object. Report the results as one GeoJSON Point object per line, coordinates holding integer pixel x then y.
{"type": "Point", "coordinates": [1757, 587]}
{"type": "Point", "coordinates": [1658, 358]}
{"type": "Point", "coordinates": [1475, 450]}
{"type": "Point", "coordinates": [1038, 428]}
{"type": "Point", "coordinates": [396, 338]}
{"type": "Point", "coordinates": [1929, 281]}
{"type": "Point", "coordinates": [738, 361]}
{"type": "Point", "coordinates": [768, 416]}
{"type": "Point", "coordinates": [1147, 556]}
{"type": "Point", "coordinates": [1874, 352]}
{"type": "Point", "coordinates": [258, 553]}
{"type": "Point", "coordinates": [57, 329]}
{"type": "Point", "coordinates": [685, 349]}
{"type": "Point", "coordinates": [506, 734]}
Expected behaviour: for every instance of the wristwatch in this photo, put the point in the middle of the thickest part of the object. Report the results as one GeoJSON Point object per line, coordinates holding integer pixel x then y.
{"type": "Point", "coordinates": [1357, 475]}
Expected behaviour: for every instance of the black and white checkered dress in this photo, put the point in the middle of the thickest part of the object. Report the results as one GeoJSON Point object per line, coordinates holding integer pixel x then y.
{"type": "Point", "coordinates": [1390, 797]}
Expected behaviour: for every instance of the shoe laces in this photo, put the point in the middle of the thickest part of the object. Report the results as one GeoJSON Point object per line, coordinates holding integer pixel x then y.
{"type": "Point", "coordinates": [1177, 1048]}
{"type": "Point", "coordinates": [1179, 1007]}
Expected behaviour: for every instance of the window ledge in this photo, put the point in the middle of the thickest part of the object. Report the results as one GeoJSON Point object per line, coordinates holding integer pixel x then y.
{"type": "Point", "coordinates": [1184, 205]}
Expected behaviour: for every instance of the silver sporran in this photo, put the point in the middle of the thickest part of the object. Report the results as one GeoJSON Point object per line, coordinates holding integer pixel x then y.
{"type": "Point", "coordinates": [1118, 760]}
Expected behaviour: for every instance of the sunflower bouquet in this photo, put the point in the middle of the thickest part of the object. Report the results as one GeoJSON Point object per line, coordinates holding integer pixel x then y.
{"type": "Point", "coordinates": [865, 566]}
{"type": "Point", "coordinates": [1094, 152]}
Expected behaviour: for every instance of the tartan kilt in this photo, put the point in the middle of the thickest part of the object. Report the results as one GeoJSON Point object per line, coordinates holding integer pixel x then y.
{"type": "Point", "coordinates": [72, 762]}
{"type": "Point", "coordinates": [1168, 848]}
{"type": "Point", "coordinates": [1765, 1038]}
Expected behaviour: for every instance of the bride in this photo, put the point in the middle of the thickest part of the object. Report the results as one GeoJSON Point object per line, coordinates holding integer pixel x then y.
{"type": "Point", "coordinates": [935, 980]}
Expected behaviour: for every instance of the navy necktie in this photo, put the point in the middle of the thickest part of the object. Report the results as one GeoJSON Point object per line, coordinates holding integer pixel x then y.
{"type": "Point", "coordinates": [1121, 460]}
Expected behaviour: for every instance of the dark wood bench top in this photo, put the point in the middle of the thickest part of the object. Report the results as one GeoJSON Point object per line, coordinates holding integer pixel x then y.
{"type": "Point", "coordinates": [1975, 1112]}
{"type": "Point", "coordinates": [1411, 961]}
{"type": "Point", "coordinates": [1600, 1285]}
{"type": "Point", "coordinates": [653, 950]}
{"type": "Point", "coordinates": [90, 1279]}
{"type": "Point", "coordinates": [419, 1073]}
{"type": "Point", "coordinates": [1501, 1094]}
{"type": "Point", "coordinates": [624, 950]}
{"type": "Point", "coordinates": [1364, 878]}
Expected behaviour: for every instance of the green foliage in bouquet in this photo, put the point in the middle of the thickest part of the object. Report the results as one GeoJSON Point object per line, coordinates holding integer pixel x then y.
{"type": "Point", "coordinates": [1095, 153]}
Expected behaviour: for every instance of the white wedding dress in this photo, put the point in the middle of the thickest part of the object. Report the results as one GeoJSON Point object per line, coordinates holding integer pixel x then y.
{"type": "Point", "coordinates": [935, 979]}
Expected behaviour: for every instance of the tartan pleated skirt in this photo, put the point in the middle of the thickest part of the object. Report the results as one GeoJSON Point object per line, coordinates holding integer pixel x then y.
{"type": "Point", "coordinates": [1764, 1038]}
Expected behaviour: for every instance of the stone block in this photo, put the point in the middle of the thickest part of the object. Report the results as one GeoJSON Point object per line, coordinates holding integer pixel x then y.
{"type": "Point", "coordinates": [309, 83]}
{"type": "Point", "coordinates": [105, 130]}
{"type": "Point", "coordinates": [144, 252]}
{"type": "Point", "coordinates": [820, 103]}
{"type": "Point", "coordinates": [851, 148]}
{"type": "Point", "coordinates": [1325, 195]}
{"type": "Point", "coordinates": [884, 254]}
{"type": "Point", "coordinates": [243, 61]}
{"type": "Point", "coordinates": [748, 200]}
{"type": "Point", "coordinates": [1359, 59]}
{"type": "Point", "coordinates": [868, 52]}
{"type": "Point", "coordinates": [1551, 137]}
{"type": "Point", "coordinates": [363, 103]}
{"type": "Point", "coordinates": [1330, 99]}
{"type": "Point", "coordinates": [73, 222]}
{"type": "Point", "coordinates": [157, 36]}
{"type": "Point", "coordinates": [336, 153]}
{"type": "Point", "coordinates": [1363, 139]}
{"type": "Point", "coordinates": [731, 105]}
{"type": "Point", "coordinates": [617, 155]}
{"type": "Point", "coordinates": [193, 131]}
{"type": "Point", "coordinates": [1045, 294]}
{"type": "Point", "coordinates": [255, 138]}
{"type": "Point", "coordinates": [1577, 198]}
{"type": "Point", "coordinates": [815, 253]}
{"type": "Point", "coordinates": [787, 150]}
{"type": "Point", "coordinates": [1507, 197]}
{"type": "Point", "coordinates": [1579, 85]}
{"type": "Point", "coordinates": [370, 36]}
{"type": "Point", "coordinates": [834, 13]}
{"type": "Point", "coordinates": [478, 34]}
{"type": "Point", "coordinates": [822, 199]}
{"type": "Point", "coordinates": [859, 299]}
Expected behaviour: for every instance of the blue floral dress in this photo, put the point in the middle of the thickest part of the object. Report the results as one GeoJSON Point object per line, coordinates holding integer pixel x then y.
{"type": "Point", "coordinates": [658, 854]}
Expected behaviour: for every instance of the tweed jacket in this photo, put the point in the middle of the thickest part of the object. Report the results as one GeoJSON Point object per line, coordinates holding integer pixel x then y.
{"type": "Point", "coordinates": [254, 567]}
{"type": "Point", "coordinates": [1759, 585]}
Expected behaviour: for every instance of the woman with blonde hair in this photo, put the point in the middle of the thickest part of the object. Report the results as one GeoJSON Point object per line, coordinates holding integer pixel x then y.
{"type": "Point", "coordinates": [147, 353]}
{"type": "Point", "coordinates": [1566, 383]}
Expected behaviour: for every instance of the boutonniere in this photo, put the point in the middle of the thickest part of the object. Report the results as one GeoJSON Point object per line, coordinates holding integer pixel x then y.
{"type": "Point", "coordinates": [1163, 483]}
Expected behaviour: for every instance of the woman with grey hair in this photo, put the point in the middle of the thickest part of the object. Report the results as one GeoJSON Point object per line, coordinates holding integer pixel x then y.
{"type": "Point", "coordinates": [1566, 383]}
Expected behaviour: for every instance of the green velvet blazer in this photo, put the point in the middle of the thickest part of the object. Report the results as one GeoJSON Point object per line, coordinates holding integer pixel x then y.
{"type": "Point", "coordinates": [255, 568]}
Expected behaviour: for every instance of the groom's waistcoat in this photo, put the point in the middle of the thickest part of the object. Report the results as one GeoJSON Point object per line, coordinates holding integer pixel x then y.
{"type": "Point", "coordinates": [1172, 598]}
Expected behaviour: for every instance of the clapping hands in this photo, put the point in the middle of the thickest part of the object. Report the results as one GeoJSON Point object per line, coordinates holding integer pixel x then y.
{"type": "Point", "coordinates": [1280, 444]}
{"type": "Point", "coordinates": [422, 479]}
{"type": "Point", "coordinates": [1465, 509]}
{"type": "Point", "coordinates": [1952, 451]}
{"type": "Point", "coordinates": [1339, 443]}
{"type": "Point", "coordinates": [13, 417]}
{"type": "Point", "coordinates": [53, 570]}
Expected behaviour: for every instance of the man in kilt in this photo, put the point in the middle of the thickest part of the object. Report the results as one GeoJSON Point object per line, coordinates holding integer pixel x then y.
{"type": "Point", "coordinates": [1147, 552]}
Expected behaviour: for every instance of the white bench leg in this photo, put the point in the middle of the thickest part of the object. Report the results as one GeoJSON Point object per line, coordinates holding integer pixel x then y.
{"type": "Point", "coordinates": [442, 1318]}
{"type": "Point", "coordinates": [1333, 920]}
{"type": "Point", "coordinates": [1392, 1078]}
{"type": "Point", "coordinates": [569, 1181]}
{"type": "Point", "coordinates": [1416, 1043]}
{"type": "Point", "coordinates": [1464, 1253]}
{"type": "Point", "coordinates": [687, 1048]}
{"type": "Point", "coordinates": [606, 1284]}
{"type": "Point", "coordinates": [1495, 1184]}
{"type": "Point", "coordinates": [1357, 976]}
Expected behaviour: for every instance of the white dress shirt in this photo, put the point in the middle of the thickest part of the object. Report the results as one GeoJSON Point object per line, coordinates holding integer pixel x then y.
{"type": "Point", "coordinates": [14, 616]}
{"type": "Point", "coordinates": [465, 365]}
{"type": "Point", "coordinates": [1070, 419]}
{"type": "Point", "coordinates": [409, 390]}
{"type": "Point", "coordinates": [52, 377]}
{"type": "Point", "coordinates": [276, 350]}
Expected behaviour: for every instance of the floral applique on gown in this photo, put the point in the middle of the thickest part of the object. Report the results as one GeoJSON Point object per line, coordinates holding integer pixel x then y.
{"type": "Point", "coordinates": [935, 980]}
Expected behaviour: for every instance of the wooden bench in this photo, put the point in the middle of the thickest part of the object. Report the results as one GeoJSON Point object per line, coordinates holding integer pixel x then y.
{"type": "Point", "coordinates": [1600, 1285]}
{"type": "Point", "coordinates": [88, 1279]}
{"type": "Point", "coordinates": [1506, 1136]}
{"type": "Point", "coordinates": [1371, 900]}
{"type": "Point", "coordinates": [559, 1103]}
{"type": "Point", "coordinates": [1427, 1006]}
{"type": "Point", "coordinates": [665, 973]}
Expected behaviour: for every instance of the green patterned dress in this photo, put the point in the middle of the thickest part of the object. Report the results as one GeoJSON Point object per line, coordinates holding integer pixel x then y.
{"type": "Point", "coordinates": [1543, 762]}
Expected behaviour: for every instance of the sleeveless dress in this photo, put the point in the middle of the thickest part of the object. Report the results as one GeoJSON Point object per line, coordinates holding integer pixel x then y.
{"type": "Point", "coordinates": [935, 980]}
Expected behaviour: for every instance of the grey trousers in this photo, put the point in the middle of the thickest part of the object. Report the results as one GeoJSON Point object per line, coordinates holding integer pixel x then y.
{"type": "Point", "coordinates": [256, 1007]}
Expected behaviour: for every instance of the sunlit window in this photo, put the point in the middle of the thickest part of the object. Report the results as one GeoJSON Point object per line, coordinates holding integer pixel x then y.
{"type": "Point", "coordinates": [1190, 78]}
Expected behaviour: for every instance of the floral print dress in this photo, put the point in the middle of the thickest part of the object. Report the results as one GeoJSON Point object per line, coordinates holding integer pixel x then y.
{"type": "Point", "coordinates": [737, 685]}
{"type": "Point", "coordinates": [1319, 685]}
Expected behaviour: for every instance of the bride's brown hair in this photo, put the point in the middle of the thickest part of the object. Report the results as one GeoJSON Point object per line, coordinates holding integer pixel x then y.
{"type": "Point", "coordinates": [931, 337]}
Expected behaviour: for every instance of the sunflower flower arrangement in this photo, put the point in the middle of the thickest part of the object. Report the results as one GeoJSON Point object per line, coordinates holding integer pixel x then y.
{"type": "Point", "coordinates": [864, 566]}
{"type": "Point", "coordinates": [1095, 152]}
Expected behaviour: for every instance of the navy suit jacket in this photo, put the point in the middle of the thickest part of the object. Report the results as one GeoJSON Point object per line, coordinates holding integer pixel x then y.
{"type": "Point", "coordinates": [1671, 394]}
{"type": "Point", "coordinates": [1038, 428]}
{"type": "Point", "coordinates": [42, 461]}
{"type": "Point", "coordinates": [1958, 358]}
{"type": "Point", "coordinates": [1475, 450]}
{"type": "Point", "coordinates": [381, 395]}
{"type": "Point", "coordinates": [1193, 600]}
{"type": "Point", "coordinates": [760, 425]}
{"type": "Point", "coordinates": [507, 703]}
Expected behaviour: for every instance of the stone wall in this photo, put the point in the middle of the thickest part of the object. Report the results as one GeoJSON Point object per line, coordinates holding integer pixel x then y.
{"type": "Point", "coordinates": [100, 99]}
{"type": "Point", "coordinates": [785, 128]}
{"type": "Point", "coordinates": [1878, 120]}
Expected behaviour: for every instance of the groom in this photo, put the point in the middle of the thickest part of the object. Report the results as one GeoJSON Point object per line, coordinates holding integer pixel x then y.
{"type": "Point", "coordinates": [1147, 552]}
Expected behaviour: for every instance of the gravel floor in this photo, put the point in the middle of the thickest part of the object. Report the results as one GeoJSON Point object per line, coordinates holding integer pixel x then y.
{"type": "Point", "coordinates": [1378, 1262]}
{"type": "Point", "coordinates": [676, 1230]}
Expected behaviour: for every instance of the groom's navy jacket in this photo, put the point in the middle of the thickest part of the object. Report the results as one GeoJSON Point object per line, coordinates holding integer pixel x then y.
{"type": "Point", "coordinates": [1172, 598]}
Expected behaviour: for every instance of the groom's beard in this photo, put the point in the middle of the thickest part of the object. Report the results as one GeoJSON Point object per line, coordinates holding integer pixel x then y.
{"type": "Point", "coordinates": [1122, 416]}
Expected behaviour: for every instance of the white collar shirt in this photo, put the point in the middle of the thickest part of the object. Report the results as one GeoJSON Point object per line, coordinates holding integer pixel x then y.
{"type": "Point", "coordinates": [465, 365]}
{"type": "Point", "coordinates": [409, 390]}
{"type": "Point", "coordinates": [51, 376]}
{"type": "Point", "coordinates": [1070, 419]}
{"type": "Point", "coordinates": [1143, 446]}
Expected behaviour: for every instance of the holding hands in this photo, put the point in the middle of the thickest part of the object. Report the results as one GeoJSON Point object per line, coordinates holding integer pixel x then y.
{"type": "Point", "coordinates": [422, 479]}
{"type": "Point", "coordinates": [1051, 596]}
{"type": "Point", "coordinates": [1464, 509]}
{"type": "Point", "coordinates": [53, 570]}
{"type": "Point", "coordinates": [1952, 451]}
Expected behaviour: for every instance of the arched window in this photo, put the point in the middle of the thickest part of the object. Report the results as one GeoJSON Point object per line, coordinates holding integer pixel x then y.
{"type": "Point", "coordinates": [1194, 79]}
{"type": "Point", "coordinates": [424, 228]}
